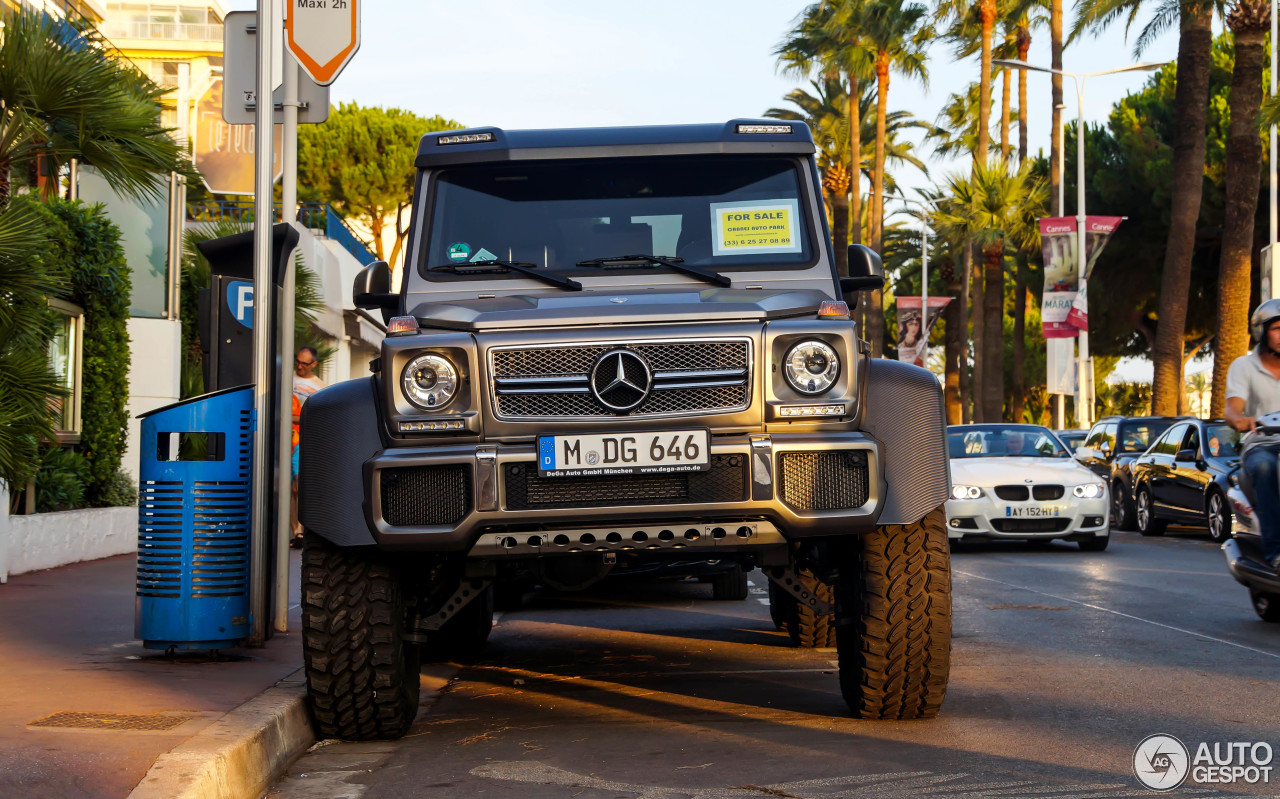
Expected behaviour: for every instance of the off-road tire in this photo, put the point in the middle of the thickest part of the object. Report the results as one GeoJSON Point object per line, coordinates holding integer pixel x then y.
{"type": "Point", "coordinates": [778, 610]}
{"type": "Point", "coordinates": [463, 636]}
{"type": "Point", "coordinates": [894, 636]}
{"type": "Point", "coordinates": [1122, 507]}
{"type": "Point", "coordinates": [732, 585]}
{"type": "Point", "coordinates": [1267, 606]}
{"type": "Point", "coordinates": [362, 677]}
{"type": "Point", "coordinates": [807, 629]}
{"type": "Point", "coordinates": [1148, 523]}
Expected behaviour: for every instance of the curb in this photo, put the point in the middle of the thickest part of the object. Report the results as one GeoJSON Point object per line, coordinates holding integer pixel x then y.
{"type": "Point", "coordinates": [240, 754]}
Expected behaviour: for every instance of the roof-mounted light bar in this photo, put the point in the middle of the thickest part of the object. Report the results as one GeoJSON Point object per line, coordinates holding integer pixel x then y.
{"type": "Point", "coordinates": [751, 128]}
{"type": "Point", "coordinates": [465, 138]}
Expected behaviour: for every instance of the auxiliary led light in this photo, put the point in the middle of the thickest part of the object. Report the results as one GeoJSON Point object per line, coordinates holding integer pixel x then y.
{"type": "Point", "coordinates": [744, 128]}
{"type": "Point", "coordinates": [812, 410]}
{"type": "Point", "coordinates": [427, 427]}
{"type": "Point", "coordinates": [465, 138]}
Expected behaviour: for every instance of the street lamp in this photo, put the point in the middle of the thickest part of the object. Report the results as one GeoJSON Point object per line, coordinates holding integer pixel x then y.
{"type": "Point", "coordinates": [1084, 413]}
{"type": "Point", "coordinates": [924, 274]}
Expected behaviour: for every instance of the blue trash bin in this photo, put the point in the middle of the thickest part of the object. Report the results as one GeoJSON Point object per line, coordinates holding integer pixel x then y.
{"type": "Point", "coordinates": [194, 495]}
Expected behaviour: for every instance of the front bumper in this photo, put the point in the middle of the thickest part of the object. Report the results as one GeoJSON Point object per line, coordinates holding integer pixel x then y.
{"type": "Point", "coordinates": [454, 497]}
{"type": "Point", "coordinates": [988, 517]}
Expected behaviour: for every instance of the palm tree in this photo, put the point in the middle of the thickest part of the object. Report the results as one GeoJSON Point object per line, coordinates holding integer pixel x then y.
{"type": "Point", "coordinates": [995, 206]}
{"type": "Point", "coordinates": [956, 130]}
{"type": "Point", "coordinates": [964, 19]}
{"type": "Point", "coordinates": [1195, 20]}
{"type": "Point", "coordinates": [1249, 21]}
{"type": "Point", "coordinates": [1055, 61]}
{"type": "Point", "coordinates": [817, 44]}
{"type": "Point", "coordinates": [65, 96]}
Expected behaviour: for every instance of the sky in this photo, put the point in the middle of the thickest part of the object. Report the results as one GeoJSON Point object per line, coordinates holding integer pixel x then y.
{"type": "Point", "coordinates": [572, 63]}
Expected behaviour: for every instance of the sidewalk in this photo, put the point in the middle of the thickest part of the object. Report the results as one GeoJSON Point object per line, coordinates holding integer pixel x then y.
{"type": "Point", "coordinates": [67, 646]}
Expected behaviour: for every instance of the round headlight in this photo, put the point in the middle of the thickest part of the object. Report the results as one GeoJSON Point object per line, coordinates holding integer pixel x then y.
{"type": "Point", "coordinates": [429, 381]}
{"type": "Point", "coordinates": [1088, 490]}
{"type": "Point", "coordinates": [965, 492]}
{"type": "Point", "coordinates": [811, 367]}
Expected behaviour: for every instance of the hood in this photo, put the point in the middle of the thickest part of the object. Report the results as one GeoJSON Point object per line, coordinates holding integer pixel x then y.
{"type": "Point", "coordinates": [988, 472]}
{"type": "Point", "coordinates": [617, 307]}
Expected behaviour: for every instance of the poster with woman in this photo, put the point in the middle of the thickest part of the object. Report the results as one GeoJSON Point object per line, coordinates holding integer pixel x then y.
{"type": "Point", "coordinates": [913, 336]}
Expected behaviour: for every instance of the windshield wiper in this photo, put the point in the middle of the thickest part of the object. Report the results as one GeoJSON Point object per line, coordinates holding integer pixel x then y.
{"type": "Point", "coordinates": [676, 264]}
{"type": "Point", "coordinates": [522, 267]}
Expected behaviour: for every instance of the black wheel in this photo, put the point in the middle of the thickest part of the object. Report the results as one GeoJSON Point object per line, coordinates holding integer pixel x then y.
{"type": "Point", "coordinates": [362, 677]}
{"type": "Point", "coordinates": [1218, 517]}
{"type": "Point", "coordinates": [807, 629]}
{"type": "Point", "coordinates": [778, 610]}
{"type": "Point", "coordinates": [895, 646]}
{"type": "Point", "coordinates": [1148, 523]}
{"type": "Point", "coordinates": [1267, 606]}
{"type": "Point", "coordinates": [732, 585]}
{"type": "Point", "coordinates": [1122, 509]}
{"type": "Point", "coordinates": [463, 636]}
{"type": "Point", "coordinates": [1096, 544]}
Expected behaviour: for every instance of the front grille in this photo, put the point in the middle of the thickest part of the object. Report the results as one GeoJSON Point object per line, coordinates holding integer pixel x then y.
{"type": "Point", "coordinates": [1012, 493]}
{"type": "Point", "coordinates": [824, 480]}
{"type": "Point", "coordinates": [425, 496]}
{"type": "Point", "coordinates": [1044, 492]}
{"type": "Point", "coordinates": [693, 377]}
{"type": "Point", "coordinates": [726, 481]}
{"type": "Point", "coordinates": [1051, 525]}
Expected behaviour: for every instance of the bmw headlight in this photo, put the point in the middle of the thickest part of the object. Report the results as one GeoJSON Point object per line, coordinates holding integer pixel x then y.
{"type": "Point", "coordinates": [1088, 490]}
{"type": "Point", "coordinates": [965, 492]}
{"type": "Point", "coordinates": [811, 367]}
{"type": "Point", "coordinates": [430, 381]}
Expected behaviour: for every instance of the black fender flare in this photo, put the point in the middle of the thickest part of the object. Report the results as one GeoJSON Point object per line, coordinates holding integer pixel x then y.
{"type": "Point", "coordinates": [340, 431]}
{"type": "Point", "coordinates": [906, 413]}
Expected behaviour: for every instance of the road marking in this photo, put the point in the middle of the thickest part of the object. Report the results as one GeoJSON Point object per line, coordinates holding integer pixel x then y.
{"type": "Point", "coordinates": [1123, 615]}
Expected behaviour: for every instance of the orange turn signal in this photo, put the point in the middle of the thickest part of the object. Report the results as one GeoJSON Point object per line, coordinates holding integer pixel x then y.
{"type": "Point", "coordinates": [834, 309]}
{"type": "Point", "coordinates": [402, 325]}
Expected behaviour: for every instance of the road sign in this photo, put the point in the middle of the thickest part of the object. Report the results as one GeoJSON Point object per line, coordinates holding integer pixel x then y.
{"type": "Point", "coordinates": [323, 35]}
{"type": "Point", "coordinates": [239, 63]}
{"type": "Point", "coordinates": [224, 153]}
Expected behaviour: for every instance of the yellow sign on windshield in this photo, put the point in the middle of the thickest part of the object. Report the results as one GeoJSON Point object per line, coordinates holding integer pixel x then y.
{"type": "Point", "coordinates": [755, 227]}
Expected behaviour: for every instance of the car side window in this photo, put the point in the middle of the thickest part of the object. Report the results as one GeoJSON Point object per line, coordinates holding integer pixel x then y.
{"type": "Point", "coordinates": [1095, 437]}
{"type": "Point", "coordinates": [1168, 443]}
{"type": "Point", "coordinates": [1109, 435]}
{"type": "Point", "coordinates": [1192, 441]}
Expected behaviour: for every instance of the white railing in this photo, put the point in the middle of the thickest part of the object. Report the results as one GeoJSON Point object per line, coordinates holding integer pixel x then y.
{"type": "Point", "coordinates": [167, 31]}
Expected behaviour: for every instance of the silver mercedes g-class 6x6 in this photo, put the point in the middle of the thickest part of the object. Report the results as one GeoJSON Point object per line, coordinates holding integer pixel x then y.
{"type": "Point", "coordinates": [611, 347]}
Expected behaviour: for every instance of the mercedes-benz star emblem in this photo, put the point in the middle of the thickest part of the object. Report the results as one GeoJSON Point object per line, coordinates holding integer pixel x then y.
{"type": "Point", "coordinates": [621, 380]}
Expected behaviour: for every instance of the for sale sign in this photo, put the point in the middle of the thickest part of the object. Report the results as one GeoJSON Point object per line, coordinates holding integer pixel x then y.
{"type": "Point", "coordinates": [323, 35]}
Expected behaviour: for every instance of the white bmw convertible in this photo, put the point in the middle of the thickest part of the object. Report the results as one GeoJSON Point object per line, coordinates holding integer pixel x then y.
{"type": "Point", "coordinates": [1019, 481]}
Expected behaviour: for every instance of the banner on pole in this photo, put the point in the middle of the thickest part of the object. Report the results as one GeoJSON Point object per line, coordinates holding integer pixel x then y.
{"type": "Point", "coordinates": [1060, 366]}
{"type": "Point", "coordinates": [1064, 309]}
{"type": "Point", "coordinates": [911, 338]}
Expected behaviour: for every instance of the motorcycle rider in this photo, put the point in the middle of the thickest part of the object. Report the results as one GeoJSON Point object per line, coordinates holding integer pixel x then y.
{"type": "Point", "coordinates": [1253, 390]}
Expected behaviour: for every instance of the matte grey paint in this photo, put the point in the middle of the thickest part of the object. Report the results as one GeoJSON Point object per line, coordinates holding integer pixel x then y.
{"type": "Point", "coordinates": [339, 432]}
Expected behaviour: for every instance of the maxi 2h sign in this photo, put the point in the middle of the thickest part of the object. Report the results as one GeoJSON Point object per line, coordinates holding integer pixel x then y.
{"type": "Point", "coordinates": [323, 35]}
{"type": "Point", "coordinates": [240, 302]}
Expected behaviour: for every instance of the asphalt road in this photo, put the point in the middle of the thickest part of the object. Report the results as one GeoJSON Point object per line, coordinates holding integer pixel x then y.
{"type": "Point", "coordinates": [1063, 662]}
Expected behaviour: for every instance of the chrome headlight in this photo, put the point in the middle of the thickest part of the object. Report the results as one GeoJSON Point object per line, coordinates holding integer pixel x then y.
{"type": "Point", "coordinates": [430, 381]}
{"type": "Point", "coordinates": [811, 367]}
{"type": "Point", "coordinates": [1088, 490]}
{"type": "Point", "coordinates": [965, 492]}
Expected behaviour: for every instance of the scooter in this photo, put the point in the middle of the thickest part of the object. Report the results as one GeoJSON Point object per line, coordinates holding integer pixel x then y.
{"type": "Point", "coordinates": [1244, 549]}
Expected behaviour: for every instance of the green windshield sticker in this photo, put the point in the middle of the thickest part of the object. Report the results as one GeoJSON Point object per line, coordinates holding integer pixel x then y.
{"type": "Point", "coordinates": [459, 251]}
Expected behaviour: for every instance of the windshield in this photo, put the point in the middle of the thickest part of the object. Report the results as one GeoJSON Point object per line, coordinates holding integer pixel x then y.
{"type": "Point", "coordinates": [1221, 441]}
{"type": "Point", "coordinates": [1003, 440]}
{"type": "Point", "coordinates": [1072, 438]}
{"type": "Point", "coordinates": [1137, 436]}
{"type": "Point", "coordinates": [718, 212]}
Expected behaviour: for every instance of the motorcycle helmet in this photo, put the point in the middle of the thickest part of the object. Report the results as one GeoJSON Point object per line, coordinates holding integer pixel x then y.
{"type": "Point", "coordinates": [1265, 314]}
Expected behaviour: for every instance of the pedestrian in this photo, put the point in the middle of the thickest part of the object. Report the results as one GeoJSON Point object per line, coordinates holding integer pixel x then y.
{"type": "Point", "coordinates": [305, 383]}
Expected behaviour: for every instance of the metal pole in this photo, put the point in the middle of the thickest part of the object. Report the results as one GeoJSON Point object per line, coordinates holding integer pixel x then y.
{"type": "Point", "coordinates": [263, 302]}
{"type": "Point", "coordinates": [1061, 134]}
{"type": "Point", "coordinates": [924, 289]}
{"type": "Point", "coordinates": [1084, 407]}
{"type": "Point", "coordinates": [284, 468]}
{"type": "Point", "coordinates": [1271, 168]}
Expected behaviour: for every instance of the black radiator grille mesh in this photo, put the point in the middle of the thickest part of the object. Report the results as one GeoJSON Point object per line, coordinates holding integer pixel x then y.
{"type": "Point", "coordinates": [824, 480]}
{"type": "Point", "coordinates": [423, 496]}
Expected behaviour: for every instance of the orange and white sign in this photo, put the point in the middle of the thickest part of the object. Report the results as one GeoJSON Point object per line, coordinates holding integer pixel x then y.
{"type": "Point", "coordinates": [323, 35]}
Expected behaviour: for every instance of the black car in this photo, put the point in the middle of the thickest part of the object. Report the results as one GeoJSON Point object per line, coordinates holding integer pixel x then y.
{"type": "Point", "coordinates": [1071, 439]}
{"type": "Point", "coordinates": [1113, 444]}
{"type": "Point", "coordinates": [1183, 478]}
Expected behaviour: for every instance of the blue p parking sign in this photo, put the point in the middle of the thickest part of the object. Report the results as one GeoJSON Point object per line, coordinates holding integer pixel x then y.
{"type": "Point", "coordinates": [240, 301]}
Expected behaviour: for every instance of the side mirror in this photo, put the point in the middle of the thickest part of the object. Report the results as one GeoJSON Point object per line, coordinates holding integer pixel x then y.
{"type": "Point", "coordinates": [1082, 453]}
{"type": "Point", "coordinates": [1185, 456]}
{"type": "Point", "coordinates": [372, 289]}
{"type": "Point", "coordinates": [866, 271]}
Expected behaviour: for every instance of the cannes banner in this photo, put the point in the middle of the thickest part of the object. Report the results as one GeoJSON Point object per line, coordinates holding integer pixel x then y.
{"type": "Point", "coordinates": [912, 335]}
{"type": "Point", "coordinates": [1064, 308]}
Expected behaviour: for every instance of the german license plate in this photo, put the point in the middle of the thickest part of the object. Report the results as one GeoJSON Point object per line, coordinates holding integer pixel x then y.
{"type": "Point", "coordinates": [624, 453]}
{"type": "Point", "coordinates": [1033, 511]}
